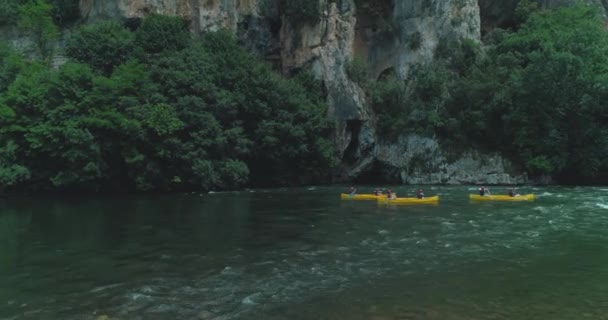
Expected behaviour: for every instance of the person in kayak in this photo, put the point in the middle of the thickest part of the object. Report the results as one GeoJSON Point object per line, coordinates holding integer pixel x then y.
{"type": "Point", "coordinates": [513, 193]}
{"type": "Point", "coordinates": [483, 191]}
{"type": "Point", "coordinates": [352, 190]}
{"type": "Point", "coordinates": [391, 195]}
{"type": "Point", "coordinates": [420, 194]}
{"type": "Point", "coordinates": [377, 192]}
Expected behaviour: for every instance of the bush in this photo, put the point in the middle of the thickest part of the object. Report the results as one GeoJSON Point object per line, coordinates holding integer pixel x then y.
{"type": "Point", "coordinates": [103, 45]}
{"type": "Point", "coordinates": [35, 17]}
{"type": "Point", "coordinates": [539, 165]}
{"type": "Point", "coordinates": [158, 33]}
{"type": "Point", "coordinates": [357, 71]}
{"type": "Point", "coordinates": [11, 64]}
{"type": "Point", "coordinates": [9, 11]}
{"type": "Point", "coordinates": [65, 12]}
{"type": "Point", "coordinates": [301, 10]}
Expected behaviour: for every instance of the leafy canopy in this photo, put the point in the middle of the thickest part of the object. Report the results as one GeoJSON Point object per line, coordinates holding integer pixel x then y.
{"type": "Point", "coordinates": [199, 114]}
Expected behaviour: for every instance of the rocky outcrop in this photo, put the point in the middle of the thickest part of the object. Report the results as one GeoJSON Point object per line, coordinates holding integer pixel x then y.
{"type": "Point", "coordinates": [421, 160]}
{"type": "Point", "coordinates": [415, 30]}
{"type": "Point", "coordinates": [325, 48]}
{"type": "Point", "coordinates": [415, 159]}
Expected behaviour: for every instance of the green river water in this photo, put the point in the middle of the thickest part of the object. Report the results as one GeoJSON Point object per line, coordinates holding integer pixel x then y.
{"type": "Point", "coordinates": [304, 254]}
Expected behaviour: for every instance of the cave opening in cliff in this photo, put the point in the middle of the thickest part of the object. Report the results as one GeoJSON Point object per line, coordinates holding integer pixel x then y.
{"type": "Point", "coordinates": [378, 174]}
{"type": "Point", "coordinates": [387, 74]}
{"type": "Point", "coordinates": [351, 152]}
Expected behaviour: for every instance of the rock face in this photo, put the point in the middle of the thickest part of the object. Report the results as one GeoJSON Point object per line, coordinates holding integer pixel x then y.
{"type": "Point", "coordinates": [391, 35]}
{"type": "Point", "coordinates": [421, 160]}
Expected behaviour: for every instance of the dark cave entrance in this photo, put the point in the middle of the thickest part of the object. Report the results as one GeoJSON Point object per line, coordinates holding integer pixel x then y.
{"type": "Point", "coordinates": [378, 174]}
{"type": "Point", "coordinates": [351, 154]}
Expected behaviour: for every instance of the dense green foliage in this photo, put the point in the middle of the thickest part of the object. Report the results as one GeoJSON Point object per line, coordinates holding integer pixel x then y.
{"type": "Point", "coordinates": [63, 12]}
{"type": "Point", "coordinates": [536, 94]}
{"type": "Point", "coordinates": [297, 11]}
{"type": "Point", "coordinates": [102, 46]}
{"type": "Point", "coordinates": [35, 17]}
{"type": "Point", "coordinates": [301, 10]}
{"type": "Point", "coordinates": [123, 115]}
{"type": "Point", "coordinates": [9, 11]}
{"type": "Point", "coordinates": [357, 71]}
{"type": "Point", "coordinates": [158, 33]}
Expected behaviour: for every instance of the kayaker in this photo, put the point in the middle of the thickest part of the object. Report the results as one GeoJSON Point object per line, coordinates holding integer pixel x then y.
{"type": "Point", "coordinates": [377, 192]}
{"type": "Point", "coordinates": [391, 195]}
{"type": "Point", "coordinates": [513, 193]}
{"type": "Point", "coordinates": [420, 194]}
{"type": "Point", "coordinates": [352, 190]}
{"type": "Point", "coordinates": [483, 191]}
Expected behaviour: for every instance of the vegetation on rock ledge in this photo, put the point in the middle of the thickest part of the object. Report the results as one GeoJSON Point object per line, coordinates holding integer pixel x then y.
{"type": "Point", "coordinates": [536, 94]}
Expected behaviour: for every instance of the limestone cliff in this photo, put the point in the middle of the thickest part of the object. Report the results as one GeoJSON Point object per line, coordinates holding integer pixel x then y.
{"type": "Point", "coordinates": [382, 32]}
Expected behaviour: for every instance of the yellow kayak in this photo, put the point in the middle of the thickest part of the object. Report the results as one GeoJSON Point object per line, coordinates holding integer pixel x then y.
{"type": "Point", "coordinates": [523, 197]}
{"type": "Point", "coordinates": [345, 196]}
{"type": "Point", "coordinates": [427, 200]}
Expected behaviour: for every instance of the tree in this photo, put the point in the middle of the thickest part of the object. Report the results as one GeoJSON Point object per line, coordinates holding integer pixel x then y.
{"type": "Point", "coordinates": [158, 33]}
{"type": "Point", "coordinates": [103, 45]}
{"type": "Point", "coordinates": [203, 115]}
{"type": "Point", "coordinates": [9, 11]}
{"type": "Point", "coordinates": [11, 65]}
{"type": "Point", "coordinates": [65, 11]}
{"type": "Point", "coordinates": [36, 19]}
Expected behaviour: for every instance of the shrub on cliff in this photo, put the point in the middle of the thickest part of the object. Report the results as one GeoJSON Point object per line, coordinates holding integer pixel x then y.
{"type": "Point", "coordinates": [9, 11]}
{"type": "Point", "coordinates": [301, 10]}
{"type": "Point", "coordinates": [538, 94]}
{"type": "Point", "coordinates": [412, 106]}
{"type": "Point", "coordinates": [357, 71]}
{"type": "Point", "coordinates": [103, 45]}
{"type": "Point", "coordinates": [158, 33]}
{"type": "Point", "coordinates": [35, 18]}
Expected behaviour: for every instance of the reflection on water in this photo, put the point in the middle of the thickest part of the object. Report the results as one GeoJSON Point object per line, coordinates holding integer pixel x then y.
{"type": "Point", "coordinates": [304, 254]}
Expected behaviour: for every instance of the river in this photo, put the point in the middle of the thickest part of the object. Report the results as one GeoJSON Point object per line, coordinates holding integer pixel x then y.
{"type": "Point", "coordinates": [304, 254]}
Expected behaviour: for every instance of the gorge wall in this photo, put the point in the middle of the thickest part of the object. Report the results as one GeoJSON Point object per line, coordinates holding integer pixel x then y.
{"type": "Point", "coordinates": [380, 32]}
